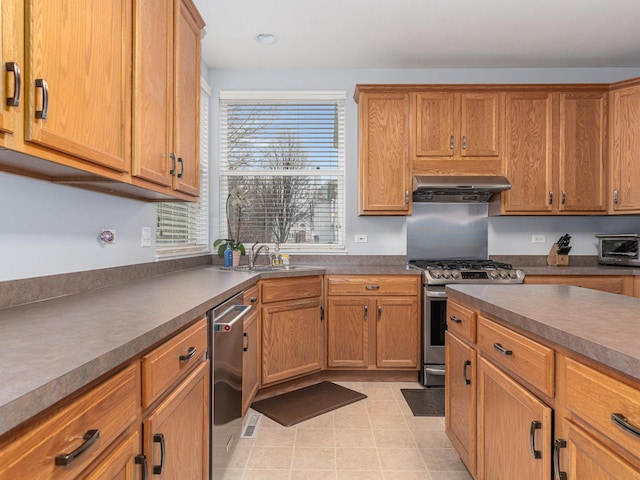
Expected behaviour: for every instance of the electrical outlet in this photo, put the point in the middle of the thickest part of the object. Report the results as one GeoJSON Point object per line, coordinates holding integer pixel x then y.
{"type": "Point", "coordinates": [360, 238]}
{"type": "Point", "coordinates": [539, 238]}
{"type": "Point", "coordinates": [145, 237]}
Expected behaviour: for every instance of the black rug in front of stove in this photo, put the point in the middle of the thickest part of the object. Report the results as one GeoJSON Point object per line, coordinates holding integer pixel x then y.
{"type": "Point", "coordinates": [425, 402]}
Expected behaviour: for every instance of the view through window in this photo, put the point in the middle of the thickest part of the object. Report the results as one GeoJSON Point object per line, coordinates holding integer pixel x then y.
{"type": "Point", "coordinates": [283, 153]}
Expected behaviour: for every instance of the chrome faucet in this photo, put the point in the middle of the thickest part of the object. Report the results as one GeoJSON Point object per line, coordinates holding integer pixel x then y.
{"type": "Point", "coordinates": [254, 252]}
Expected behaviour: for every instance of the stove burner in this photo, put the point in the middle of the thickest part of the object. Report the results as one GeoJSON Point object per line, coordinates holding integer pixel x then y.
{"type": "Point", "coordinates": [459, 265]}
{"type": "Point", "coordinates": [442, 272]}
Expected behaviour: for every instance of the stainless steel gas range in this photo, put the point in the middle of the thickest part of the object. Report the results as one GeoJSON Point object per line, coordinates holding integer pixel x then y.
{"type": "Point", "coordinates": [448, 242]}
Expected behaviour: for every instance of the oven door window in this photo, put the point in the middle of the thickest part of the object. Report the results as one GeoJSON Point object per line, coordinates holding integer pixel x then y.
{"type": "Point", "coordinates": [438, 323]}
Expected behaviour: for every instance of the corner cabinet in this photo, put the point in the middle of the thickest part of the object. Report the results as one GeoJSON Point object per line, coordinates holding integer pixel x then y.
{"type": "Point", "coordinates": [166, 94]}
{"type": "Point", "coordinates": [383, 151]}
{"type": "Point", "coordinates": [625, 148]}
{"type": "Point", "coordinates": [373, 322]}
{"type": "Point", "coordinates": [293, 328]}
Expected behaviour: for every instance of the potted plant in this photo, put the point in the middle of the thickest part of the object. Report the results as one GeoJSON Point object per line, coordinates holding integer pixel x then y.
{"type": "Point", "coordinates": [235, 201]}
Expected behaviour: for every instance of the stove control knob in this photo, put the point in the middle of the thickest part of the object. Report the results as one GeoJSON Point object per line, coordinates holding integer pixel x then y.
{"type": "Point", "coordinates": [513, 274]}
{"type": "Point", "coordinates": [493, 274]}
{"type": "Point", "coordinates": [436, 273]}
{"type": "Point", "coordinates": [446, 274]}
{"type": "Point", "coordinates": [455, 274]}
{"type": "Point", "coordinates": [503, 274]}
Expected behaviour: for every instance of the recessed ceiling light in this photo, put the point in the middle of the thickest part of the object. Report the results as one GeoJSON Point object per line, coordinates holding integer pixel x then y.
{"type": "Point", "coordinates": [266, 38]}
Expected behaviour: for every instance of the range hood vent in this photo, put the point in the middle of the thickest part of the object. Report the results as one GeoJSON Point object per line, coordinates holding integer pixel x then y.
{"type": "Point", "coordinates": [457, 189]}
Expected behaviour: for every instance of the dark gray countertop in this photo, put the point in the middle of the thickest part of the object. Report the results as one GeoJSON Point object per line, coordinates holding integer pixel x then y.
{"type": "Point", "coordinates": [579, 270]}
{"type": "Point", "coordinates": [604, 327]}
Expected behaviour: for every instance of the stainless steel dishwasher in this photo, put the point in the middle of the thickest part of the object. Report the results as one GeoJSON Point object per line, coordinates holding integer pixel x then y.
{"type": "Point", "coordinates": [225, 349]}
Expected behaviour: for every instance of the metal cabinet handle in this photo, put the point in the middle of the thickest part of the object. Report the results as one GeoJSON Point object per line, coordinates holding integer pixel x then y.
{"type": "Point", "coordinates": [623, 422]}
{"type": "Point", "coordinates": [563, 200]}
{"type": "Point", "coordinates": [42, 114]}
{"type": "Point", "coordinates": [535, 425]}
{"type": "Point", "coordinates": [181, 163]}
{"type": "Point", "coordinates": [190, 353]}
{"type": "Point", "coordinates": [159, 438]}
{"type": "Point", "coordinates": [245, 347]}
{"type": "Point", "coordinates": [467, 363]}
{"type": "Point", "coordinates": [406, 197]}
{"type": "Point", "coordinates": [455, 319]}
{"type": "Point", "coordinates": [142, 460]}
{"type": "Point", "coordinates": [172, 156]}
{"type": "Point", "coordinates": [502, 350]}
{"type": "Point", "coordinates": [451, 142]}
{"type": "Point", "coordinates": [379, 312]}
{"type": "Point", "coordinates": [464, 142]}
{"type": "Point", "coordinates": [89, 438]}
{"type": "Point", "coordinates": [322, 313]}
{"type": "Point", "coordinates": [17, 82]}
{"type": "Point", "coordinates": [550, 198]}
{"type": "Point", "coordinates": [372, 287]}
{"type": "Point", "coordinates": [558, 475]}
{"type": "Point", "coordinates": [253, 299]}
{"type": "Point", "coordinates": [615, 196]}
{"type": "Point", "coordinates": [366, 312]}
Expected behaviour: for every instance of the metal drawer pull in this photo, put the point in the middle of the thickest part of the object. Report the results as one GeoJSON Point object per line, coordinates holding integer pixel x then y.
{"type": "Point", "coordinates": [558, 475]}
{"type": "Point", "coordinates": [372, 287]}
{"type": "Point", "coordinates": [366, 312]}
{"type": "Point", "coordinates": [172, 171]}
{"type": "Point", "coordinates": [455, 319]}
{"type": "Point", "coordinates": [464, 142]}
{"type": "Point", "coordinates": [89, 439]}
{"type": "Point", "coordinates": [451, 142]}
{"type": "Point", "coordinates": [379, 312]}
{"type": "Point", "coordinates": [159, 438]}
{"type": "Point", "coordinates": [181, 167]}
{"type": "Point", "coordinates": [190, 353]}
{"type": "Point", "coordinates": [623, 421]}
{"type": "Point", "coordinates": [245, 348]}
{"type": "Point", "coordinates": [142, 460]}
{"type": "Point", "coordinates": [467, 363]}
{"type": "Point", "coordinates": [42, 114]}
{"type": "Point", "coordinates": [550, 198]}
{"type": "Point", "coordinates": [15, 68]}
{"type": "Point", "coordinates": [501, 349]}
{"type": "Point", "coordinates": [535, 425]}
{"type": "Point", "coordinates": [253, 299]}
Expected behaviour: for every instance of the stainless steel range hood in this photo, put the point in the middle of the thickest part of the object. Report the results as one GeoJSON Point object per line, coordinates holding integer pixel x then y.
{"type": "Point", "coordinates": [457, 189]}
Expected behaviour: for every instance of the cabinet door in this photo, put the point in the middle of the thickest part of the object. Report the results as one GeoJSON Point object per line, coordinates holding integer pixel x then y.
{"type": "Point", "coordinates": [508, 438]}
{"type": "Point", "coordinates": [584, 458]}
{"type": "Point", "coordinates": [528, 152]}
{"type": "Point", "coordinates": [179, 427]}
{"type": "Point", "coordinates": [250, 361]}
{"type": "Point", "coordinates": [625, 149]}
{"type": "Point", "coordinates": [348, 331]}
{"type": "Point", "coordinates": [582, 152]}
{"type": "Point", "coordinates": [120, 464]}
{"type": "Point", "coordinates": [186, 87]}
{"type": "Point", "coordinates": [479, 125]}
{"type": "Point", "coordinates": [397, 332]}
{"type": "Point", "coordinates": [435, 116]}
{"type": "Point", "coordinates": [384, 154]}
{"type": "Point", "coordinates": [292, 339]}
{"type": "Point", "coordinates": [80, 62]}
{"type": "Point", "coordinates": [460, 399]}
{"type": "Point", "coordinates": [11, 30]}
{"type": "Point", "coordinates": [153, 94]}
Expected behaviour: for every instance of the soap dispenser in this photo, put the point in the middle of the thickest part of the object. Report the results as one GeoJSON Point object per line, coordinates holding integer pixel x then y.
{"type": "Point", "coordinates": [228, 256]}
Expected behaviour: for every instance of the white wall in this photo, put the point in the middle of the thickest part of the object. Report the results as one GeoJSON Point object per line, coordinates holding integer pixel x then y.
{"type": "Point", "coordinates": [386, 235]}
{"type": "Point", "coordinates": [49, 229]}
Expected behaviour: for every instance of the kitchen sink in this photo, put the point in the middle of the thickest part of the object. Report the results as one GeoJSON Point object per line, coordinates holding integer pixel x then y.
{"type": "Point", "coordinates": [261, 268]}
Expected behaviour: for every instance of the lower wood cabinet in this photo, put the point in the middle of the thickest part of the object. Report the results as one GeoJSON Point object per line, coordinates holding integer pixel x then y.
{"type": "Point", "coordinates": [292, 328]}
{"type": "Point", "coordinates": [250, 360]}
{"type": "Point", "coordinates": [373, 322]}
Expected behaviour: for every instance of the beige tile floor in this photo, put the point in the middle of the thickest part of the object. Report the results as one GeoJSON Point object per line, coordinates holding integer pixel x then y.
{"type": "Point", "coordinates": [374, 439]}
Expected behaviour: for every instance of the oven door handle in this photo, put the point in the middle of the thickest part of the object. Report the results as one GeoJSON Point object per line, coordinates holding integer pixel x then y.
{"type": "Point", "coordinates": [436, 294]}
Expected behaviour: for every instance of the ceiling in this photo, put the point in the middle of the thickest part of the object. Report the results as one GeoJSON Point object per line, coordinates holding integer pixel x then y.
{"type": "Point", "coordinates": [338, 34]}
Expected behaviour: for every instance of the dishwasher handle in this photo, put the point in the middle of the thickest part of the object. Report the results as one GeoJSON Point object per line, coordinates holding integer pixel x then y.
{"type": "Point", "coordinates": [227, 320]}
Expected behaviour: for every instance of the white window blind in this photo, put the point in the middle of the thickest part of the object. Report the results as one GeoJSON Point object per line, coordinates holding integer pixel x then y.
{"type": "Point", "coordinates": [183, 227]}
{"type": "Point", "coordinates": [285, 152]}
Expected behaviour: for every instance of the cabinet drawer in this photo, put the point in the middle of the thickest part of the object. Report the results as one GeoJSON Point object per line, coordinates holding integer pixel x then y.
{"type": "Point", "coordinates": [373, 285]}
{"type": "Point", "coordinates": [461, 321]}
{"type": "Point", "coordinates": [251, 296]}
{"type": "Point", "coordinates": [595, 397]}
{"type": "Point", "coordinates": [530, 360]}
{"type": "Point", "coordinates": [108, 408]}
{"type": "Point", "coordinates": [294, 288]}
{"type": "Point", "coordinates": [171, 360]}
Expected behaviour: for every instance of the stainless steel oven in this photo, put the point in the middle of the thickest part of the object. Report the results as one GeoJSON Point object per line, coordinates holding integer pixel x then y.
{"type": "Point", "coordinates": [434, 326]}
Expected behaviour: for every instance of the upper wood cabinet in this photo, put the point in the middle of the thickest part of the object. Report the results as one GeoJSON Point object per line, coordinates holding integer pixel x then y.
{"type": "Point", "coordinates": [11, 79]}
{"type": "Point", "coordinates": [384, 169]}
{"type": "Point", "coordinates": [625, 149]}
{"type": "Point", "coordinates": [167, 93]}
{"type": "Point", "coordinates": [78, 79]}
{"type": "Point", "coordinates": [555, 152]}
{"type": "Point", "coordinates": [457, 125]}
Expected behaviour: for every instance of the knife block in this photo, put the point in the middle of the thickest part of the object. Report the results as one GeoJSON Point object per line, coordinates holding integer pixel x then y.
{"type": "Point", "coordinates": [554, 259]}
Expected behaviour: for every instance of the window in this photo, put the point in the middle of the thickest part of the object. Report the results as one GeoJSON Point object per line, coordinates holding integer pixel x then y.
{"type": "Point", "coordinates": [285, 152]}
{"type": "Point", "coordinates": [183, 227]}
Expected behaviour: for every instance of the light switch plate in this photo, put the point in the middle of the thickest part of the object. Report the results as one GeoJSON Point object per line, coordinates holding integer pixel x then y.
{"type": "Point", "coordinates": [360, 238]}
{"type": "Point", "coordinates": [539, 238]}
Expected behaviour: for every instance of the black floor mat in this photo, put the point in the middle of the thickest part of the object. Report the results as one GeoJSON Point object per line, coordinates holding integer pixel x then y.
{"type": "Point", "coordinates": [425, 402]}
